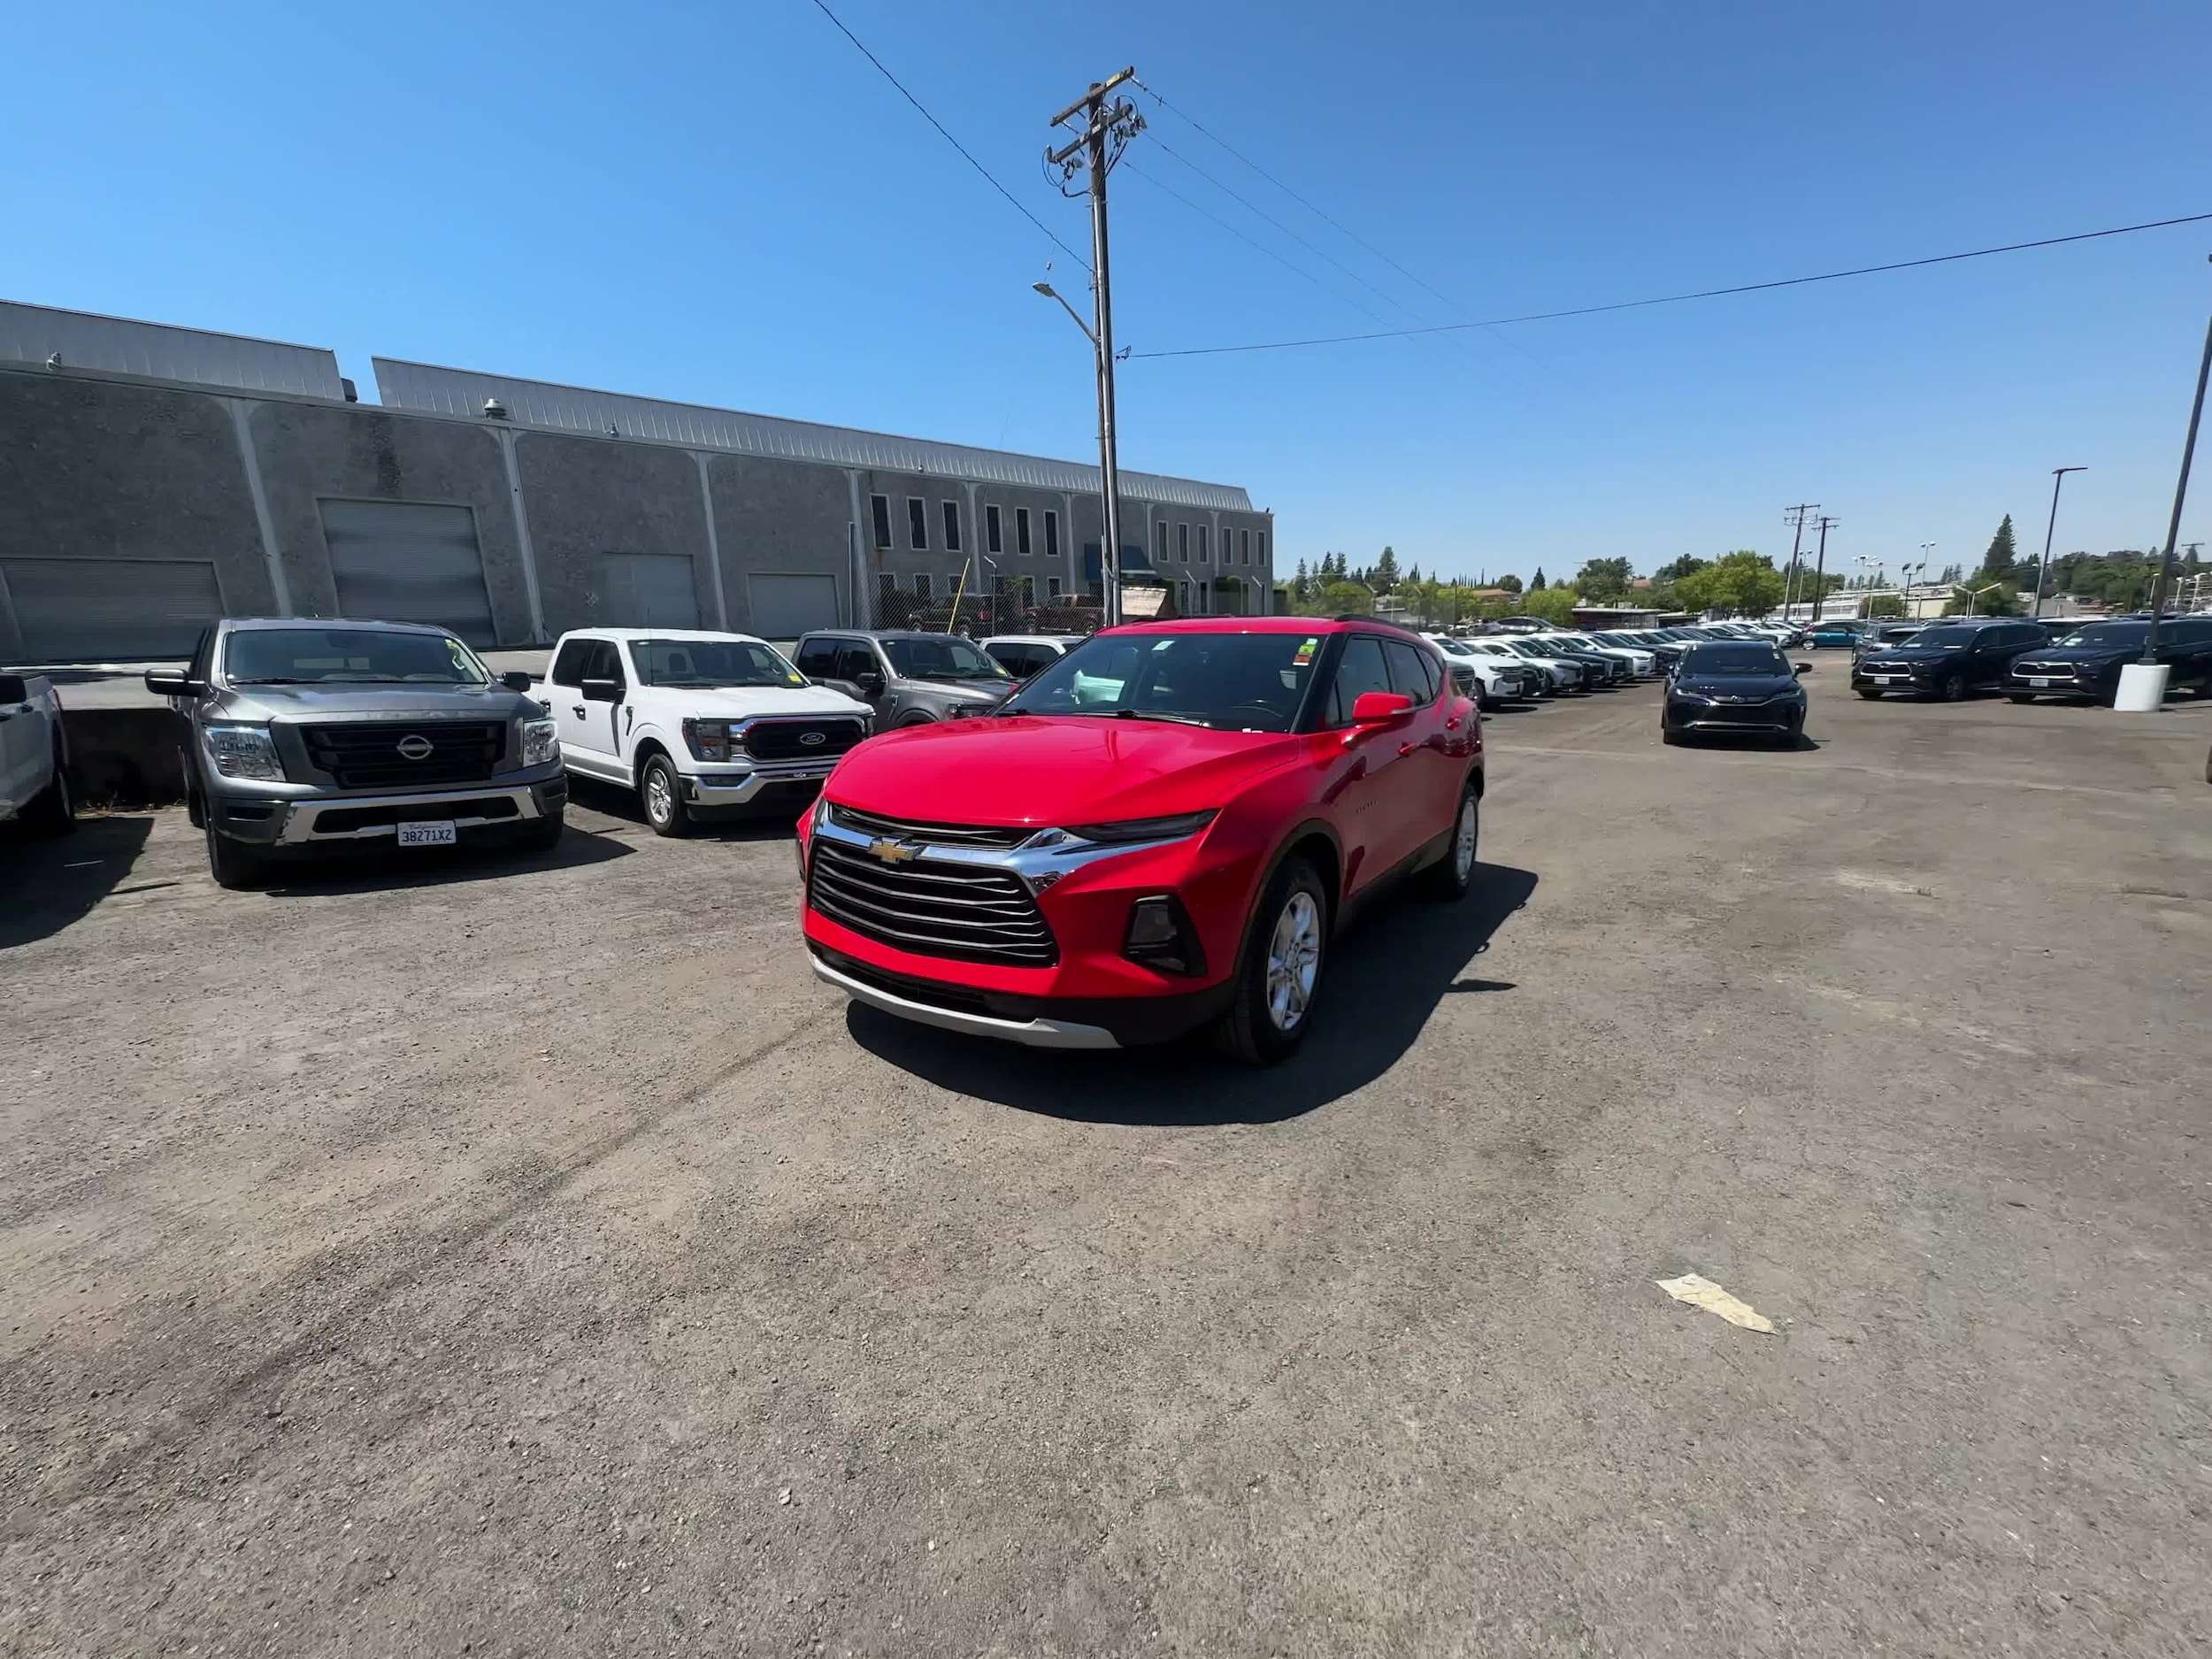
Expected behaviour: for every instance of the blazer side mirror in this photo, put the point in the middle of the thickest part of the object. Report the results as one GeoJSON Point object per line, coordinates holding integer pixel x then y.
{"type": "Point", "coordinates": [1379, 708]}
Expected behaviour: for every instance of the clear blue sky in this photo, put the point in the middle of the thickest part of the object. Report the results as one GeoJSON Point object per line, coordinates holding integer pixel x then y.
{"type": "Point", "coordinates": [725, 203]}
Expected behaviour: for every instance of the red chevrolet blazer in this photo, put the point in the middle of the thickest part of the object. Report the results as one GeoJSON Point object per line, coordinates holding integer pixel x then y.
{"type": "Point", "coordinates": [1160, 830]}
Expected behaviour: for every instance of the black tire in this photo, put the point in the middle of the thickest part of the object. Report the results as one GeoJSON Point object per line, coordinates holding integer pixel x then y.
{"type": "Point", "coordinates": [917, 719]}
{"type": "Point", "coordinates": [1251, 1031]}
{"type": "Point", "coordinates": [660, 792]}
{"type": "Point", "coordinates": [1871, 696]}
{"type": "Point", "coordinates": [1668, 735]}
{"type": "Point", "coordinates": [1447, 881]}
{"type": "Point", "coordinates": [544, 836]}
{"type": "Point", "coordinates": [233, 866]}
{"type": "Point", "coordinates": [52, 812]}
{"type": "Point", "coordinates": [1954, 688]}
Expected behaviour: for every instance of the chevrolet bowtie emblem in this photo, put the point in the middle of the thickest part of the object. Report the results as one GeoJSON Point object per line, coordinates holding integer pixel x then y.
{"type": "Point", "coordinates": [892, 852]}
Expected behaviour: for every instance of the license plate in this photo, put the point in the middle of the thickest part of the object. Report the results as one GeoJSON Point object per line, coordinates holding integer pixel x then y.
{"type": "Point", "coordinates": [1889, 679]}
{"type": "Point", "coordinates": [426, 834]}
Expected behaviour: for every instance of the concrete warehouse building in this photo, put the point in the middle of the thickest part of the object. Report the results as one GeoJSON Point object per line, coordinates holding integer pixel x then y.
{"type": "Point", "coordinates": [153, 478]}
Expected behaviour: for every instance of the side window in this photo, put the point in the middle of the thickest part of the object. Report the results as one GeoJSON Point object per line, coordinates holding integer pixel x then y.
{"type": "Point", "coordinates": [605, 663]}
{"type": "Point", "coordinates": [1360, 670]}
{"type": "Point", "coordinates": [1409, 671]}
{"type": "Point", "coordinates": [202, 657]}
{"type": "Point", "coordinates": [2192, 633]}
{"type": "Point", "coordinates": [853, 659]}
{"type": "Point", "coordinates": [817, 658]}
{"type": "Point", "coordinates": [568, 666]}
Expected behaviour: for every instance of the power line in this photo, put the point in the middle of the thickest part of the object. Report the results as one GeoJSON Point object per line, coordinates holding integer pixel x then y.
{"type": "Point", "coordinates": [948, 137]}
{"type": "Point", "coordinates": [1676, 299]}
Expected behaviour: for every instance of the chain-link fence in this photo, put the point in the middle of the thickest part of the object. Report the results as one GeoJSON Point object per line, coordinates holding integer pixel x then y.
{"type": "Point", "coordinates": [1013, 610]}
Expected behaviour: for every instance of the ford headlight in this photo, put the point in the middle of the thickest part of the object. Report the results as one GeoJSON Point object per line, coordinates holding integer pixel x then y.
{"type": "Point", "coordinates": [244, 751]}
{"type": "Point", "coordinates": [540, 741]}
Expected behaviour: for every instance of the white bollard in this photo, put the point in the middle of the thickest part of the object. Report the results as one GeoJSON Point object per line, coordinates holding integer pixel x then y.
{"type": "Point", "coordinates": [2142, 688]}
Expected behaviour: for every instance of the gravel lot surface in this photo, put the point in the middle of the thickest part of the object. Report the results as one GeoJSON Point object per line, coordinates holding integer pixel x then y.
{"type": "Point", "coordinates": [512, 1257]}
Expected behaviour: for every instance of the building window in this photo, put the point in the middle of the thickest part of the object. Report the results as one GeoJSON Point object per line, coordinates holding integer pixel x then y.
{"type": "Point", "coordinates": [1052, 538]}
{"type": "Point", "coordinates": [1021, 530]}
{"type": "Point", "coordinates": [952, 524]}
{"type": "Point", "coordinates": [1263, 559]}
{"type": "Point", "coordinates": [921, 586]}
{"type": "Point", "coordinates": [1182, 543]}
{"type": "Point", "coordinates": [1161, 551]}
{"type": "Point", "coordinates": [1052, 583]}
{"type": "Point", "coordinates": [882, 506]}
{"type": "Point", "coordinates": [990, 530]}
{"type": "Point", "coordinates": [887, 584]}
{"type": "Point", "coordinates": [1244, 542]}
{"type": "Point", "coordinates": [1202, 544]}
{"type": "Point", "coordinates": [917, 524]}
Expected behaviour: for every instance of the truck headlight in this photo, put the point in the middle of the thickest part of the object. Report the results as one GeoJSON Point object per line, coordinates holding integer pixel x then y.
{"type": "Point", "coordinates": [713, 740]}
{"type": "Point", "coordinates": [244, 751]}
{"type": "Point", "coordinates": [540, 741]}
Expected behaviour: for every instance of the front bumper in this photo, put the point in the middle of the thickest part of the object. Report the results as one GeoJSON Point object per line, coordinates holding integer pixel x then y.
{"type": "Point", "coordinates": [1891, 679]}
{"type": "Point", "coordinates": [1034, 1022]}
{"type": "Point", "coordinates": [2096, 683]}
{"type": "Point", "coordinates": [300, 823]}
{"type": "Point", "coordinates": [1740, 717]}
{"type": "Point", "coordinates": [732, 787]}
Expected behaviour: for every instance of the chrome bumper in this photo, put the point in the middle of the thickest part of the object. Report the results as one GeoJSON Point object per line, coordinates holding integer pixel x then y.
{"type": "Point", "coordinates": [300, 819]}
{"type": "Point", "coordinates": [734, 788]}
{"type": "Point", "coordinates": [1036, 1033]}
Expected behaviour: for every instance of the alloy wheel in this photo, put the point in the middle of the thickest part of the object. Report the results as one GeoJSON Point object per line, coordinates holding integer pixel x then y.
{"type": "Point", "coordinates": [1464, 840]}
{"type": "Point", "coordinates": [660, 800]}
{"type": "Point", "coordinates": [1294, 959]}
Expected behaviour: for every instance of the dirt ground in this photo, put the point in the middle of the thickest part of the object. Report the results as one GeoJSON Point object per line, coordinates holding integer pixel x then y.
{"type": "Point", "coordinates": [511, 1256]}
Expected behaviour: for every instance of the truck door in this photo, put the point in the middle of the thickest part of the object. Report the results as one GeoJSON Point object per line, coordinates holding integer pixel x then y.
{"type": "Point", "coordinates": [587, 726]}
{"type": "Point", "coordinates": [23, 743]}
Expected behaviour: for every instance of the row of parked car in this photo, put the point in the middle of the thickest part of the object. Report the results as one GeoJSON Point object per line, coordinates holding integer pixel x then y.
{"type": "Point", "coordinates": [2074, 660]}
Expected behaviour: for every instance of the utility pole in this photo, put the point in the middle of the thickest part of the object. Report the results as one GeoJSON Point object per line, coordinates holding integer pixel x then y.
{"type": "Point", "coordinates": [2058, 477]}
{"type": "Point", "coordinates": [1795, 516]}
{"type": "Point", "coordinates": [1820, 566]}
{"type": "Point", "coordinates": [1119, 122]}
{"type": "Point", "coordinates": [2181, 494]}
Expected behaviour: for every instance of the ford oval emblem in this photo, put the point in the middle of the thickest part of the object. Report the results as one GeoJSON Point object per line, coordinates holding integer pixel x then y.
{"type": "Point", "coordinates": [813, 739]}
{"type": "Point", "coordinates": [414, 747]}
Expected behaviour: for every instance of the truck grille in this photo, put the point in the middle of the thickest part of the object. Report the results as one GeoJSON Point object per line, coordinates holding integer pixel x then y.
{"type": "Point", "coordinates": [1740, 713]}
{"type": "Point", "coordinates": [787, 739]}
{"type": "Point", "coordinates": [2043, 671]}
{"type": "Point", "coordinates": [931, 908]}
{"type": "Point", "coordinates": [992, 835]}
{"type": "Point", "coordinates": [370, 756]}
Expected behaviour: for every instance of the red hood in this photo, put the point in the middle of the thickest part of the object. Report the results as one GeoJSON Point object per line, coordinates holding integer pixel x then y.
{"type": "Point", "coordinates": [1051, 770]}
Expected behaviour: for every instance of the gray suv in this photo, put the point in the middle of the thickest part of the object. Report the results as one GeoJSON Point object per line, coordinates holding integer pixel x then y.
{"type": "Point", "coordinates": [907, 678]}
{"type": "Point", "coordinates": [309, 736]}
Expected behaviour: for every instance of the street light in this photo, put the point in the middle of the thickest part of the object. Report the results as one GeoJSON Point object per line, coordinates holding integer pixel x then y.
{"type": "Point", "coordinates": [1920, 570]}
{"type": "Point", "coordinates": [1972, 594]}
{"type": "Point", "coordinates": [1109, 465]}
{"type": "Point", "coordinates": [2058, 477]}
{"type": "Point", "coordinates": [1075, 316]}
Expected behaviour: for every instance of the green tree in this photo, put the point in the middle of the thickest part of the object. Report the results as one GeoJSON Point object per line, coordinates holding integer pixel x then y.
{"type": "Point", "coordinates": [2004, 553]}
{"type": "Point", "coordinates": [1887, 606]}
{"type": "Point", "coordinates": [1600, 581]}
{"type": "Point", "coordinates": [1413, 577]}
{"type": "Point", "coordinates": [1509, 583]}
{"type": "Point", "coordinates": [1536, 582]}
{"type": "Point", "coordinates": [1301, 582]}
{"type": "Point", "coordinates": [1347, 598]}
{"type": "Point", "coordinates": [1688, 565]}
{"type": "Point", "coordinates": [1742, 581]}
{"type": "Point", "coordinates": [2000, 601]}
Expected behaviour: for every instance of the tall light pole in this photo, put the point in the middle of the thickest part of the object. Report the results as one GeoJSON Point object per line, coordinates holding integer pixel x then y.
{"type": "Point", "coordinates": [1119, 121]}
{"type": "Point", "coordinates": [1922, 571]}
{"type": "Point", "coordinates": [2058, 477]}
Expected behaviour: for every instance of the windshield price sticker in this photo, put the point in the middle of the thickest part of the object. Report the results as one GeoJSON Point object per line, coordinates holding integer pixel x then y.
{"type": "Point", "coordinates": [1305, 653]}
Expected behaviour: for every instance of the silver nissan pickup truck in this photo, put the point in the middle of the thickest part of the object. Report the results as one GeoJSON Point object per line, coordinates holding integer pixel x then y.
{"type": "Point", "coordinates": [308, 737]}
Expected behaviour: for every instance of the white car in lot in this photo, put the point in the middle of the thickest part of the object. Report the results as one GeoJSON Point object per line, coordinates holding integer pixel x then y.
{"type": "Point", "coordinates": [34, 756]}
{"type": "Point", "coordinates": [699, 724]}
{"type": "Point", "coordinates": [1026, 655]}
{"type": "Point", "coordinates": [1501, 680]}
{"type": "Point", "coordinates": [1558, 674]}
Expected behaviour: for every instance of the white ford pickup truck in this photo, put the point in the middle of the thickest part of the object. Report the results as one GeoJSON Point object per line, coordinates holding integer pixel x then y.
{"type": "Point", "coordinates": [700, 724]}
{"type": "Point", "coordinates": [34, 756]}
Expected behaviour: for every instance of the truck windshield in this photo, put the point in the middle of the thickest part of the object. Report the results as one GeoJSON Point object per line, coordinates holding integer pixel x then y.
{"type": "Point", "coordinates": [945, 657]}
{"type": "Point", "coordinates": [1234, 682]}
{"type": "Point", "coordinates": [705, 663]}
{"type": "Point", "coordinates": [318, 656]}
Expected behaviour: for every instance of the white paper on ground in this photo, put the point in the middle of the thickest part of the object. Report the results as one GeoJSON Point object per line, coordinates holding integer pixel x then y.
{"type": "Point", "coordinates": [1703, 1292]}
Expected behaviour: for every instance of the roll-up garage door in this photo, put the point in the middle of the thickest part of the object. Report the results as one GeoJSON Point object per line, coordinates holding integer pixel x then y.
{"type": "Point", "coordinates": [93, 610]}
{"type": "Point", "coordinates": [647, 591]}
{"type": "Point", "coordinates": [785, 607]}
{"type": "Point", "coordinates": [404, 561]}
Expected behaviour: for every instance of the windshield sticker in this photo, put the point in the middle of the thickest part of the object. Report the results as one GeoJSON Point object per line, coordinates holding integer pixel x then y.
{"type": "Point", "coordinates": [1305, 653]}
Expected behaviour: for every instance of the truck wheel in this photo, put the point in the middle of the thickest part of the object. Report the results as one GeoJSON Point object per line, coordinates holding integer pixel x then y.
{"type": "Point", "coordinates": [52, 812]}
{"type": "Point", "coordinates": [661, 792]}
{"type": "Point", "coordinates": [1450, 877]}
{"type": "Point", "coordinates": [1279, 983]}
{"type": "Point", "coordinates": [544, 836]}
{"type": "Point", "coordinates": [233, 866]}
{"type": "Point", "coordinates": [917, 719]}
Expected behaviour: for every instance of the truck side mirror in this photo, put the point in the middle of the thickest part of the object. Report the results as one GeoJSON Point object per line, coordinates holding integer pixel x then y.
{"type": "Point", "coordinates": [174, 682]}
{"type": "Point", "coordinates": [517, 680]}
{"type": "Point", "coordinates": [871, 684]}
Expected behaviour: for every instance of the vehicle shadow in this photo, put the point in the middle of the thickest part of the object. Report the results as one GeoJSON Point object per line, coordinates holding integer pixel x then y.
{"type": "Point", "coordinates": [389, 870]}
{"type": "Point", "coordinates": [46, 886]}
{"type": "Point", "coordinates": [1803, 743]}
{"type": "Point", "coordinates": [764, 824]}
{"type": "Point", "coordinates": [1390, 970]}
